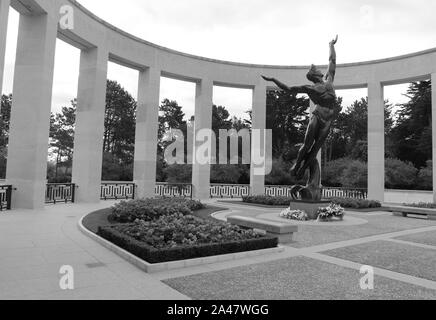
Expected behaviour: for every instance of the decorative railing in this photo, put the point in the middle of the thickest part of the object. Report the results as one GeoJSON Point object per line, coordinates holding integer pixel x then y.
{"type": "Point", "coordinates": [241, 190]}
{"type": "Point", "coordinates": [278, 191]}
{"type": "Point", "coordinates": [118, 190]}
{"type": "Point", "coordinates": [182, 190]}
{"type": "Point", "coordinates": [355, 193]}
{"type": "Point", "coordinates": [229, 191]}
{"type": "Point", "coordinates": [60, 193]}
{"type": "Point", "coordinates": [327, 192]}
{"type": "Point", "coordinates": [65, 192]}
{"type": "Point", "coordinates": [5, 198]}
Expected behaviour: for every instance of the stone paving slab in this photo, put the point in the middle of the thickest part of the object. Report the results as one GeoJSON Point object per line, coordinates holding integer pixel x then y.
{"type": "Point", "coordinates": [313, 235]}
{"type": "Point", "coordinates": [297, 278]}
{"type": "Point", "coordinates": [401, 258]}
{"type": "Point", "coordinates": [34, 244]}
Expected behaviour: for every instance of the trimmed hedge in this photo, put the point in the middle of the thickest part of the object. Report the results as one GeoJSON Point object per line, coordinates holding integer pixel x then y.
{"type": "Point", "coordinates": [152, 208]}
{"type": "Point", "coordinates": [356, 203]}
{"type": "Point", "coordinates": [153, 255]}
{"type": "Point", "coordinates": [350, 203]}
{"type": "Point", "coordinates": [423, 205]}
{"type": "Point", "coordinates": [268, 200]}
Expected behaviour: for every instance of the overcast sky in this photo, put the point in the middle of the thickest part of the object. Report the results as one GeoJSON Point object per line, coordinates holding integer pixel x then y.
{"type": "Point", "coordinates": [284, 32]}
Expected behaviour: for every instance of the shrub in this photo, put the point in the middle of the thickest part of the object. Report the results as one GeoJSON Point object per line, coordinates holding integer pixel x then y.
{"type": "Point", "coordinates": [355, 175]}
{"type": "Point", "coordinates": [268, 200]}
{"type": "Point", "coordinates": [178, 173]}
{"type": "Point", "coordinates": [399, 174]}
{"type": "Point", "coordinates": [425, 177]}
{"type": "Point", "coordinates": [179, 237]}
{"type": "Point", "coordinates": [225, 174]}
{"type": "Point", "coordinates": [423, 205]}
{"type": "Point", "coordinates": [280, 173]}
{"type": "Point", "coordinates": [356, 203]}
{"type": "Point", "coordinates": [332, 172]}
{"type": "Point", "coordinates": [152, 209]}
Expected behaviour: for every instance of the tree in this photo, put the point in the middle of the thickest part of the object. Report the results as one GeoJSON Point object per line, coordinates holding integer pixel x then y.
{"type": "Point", "coordinates": [120, 123]}
{"type": "Point", "coordinates": [171, 117]}
{"type": "Point", "coordinates": [287, 117]}
{"type": "Point", "coordinates": [349, 134]}
{"type": "Point", "coordinates": [5, 118]}
{"type": "Point", "coordinates": [61, 144]}
{"type": "Point", "coordinates": [118, 138]}
{"type": "Point", "coordinates": [411, 137]}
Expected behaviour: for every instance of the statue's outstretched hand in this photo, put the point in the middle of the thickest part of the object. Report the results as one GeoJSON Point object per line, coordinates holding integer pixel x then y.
{"type": "Point", "coordinates": [268, 78]}
{"type": "Point", "coordinates": [334, 41]}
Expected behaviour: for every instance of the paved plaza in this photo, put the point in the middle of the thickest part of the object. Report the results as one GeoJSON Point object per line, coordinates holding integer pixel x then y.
{"type": "Point", "coordinates": [323, 263]}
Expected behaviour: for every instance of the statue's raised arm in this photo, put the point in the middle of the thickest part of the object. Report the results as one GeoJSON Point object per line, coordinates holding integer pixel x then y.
{"type": "Point", "coordinates": [331, 72]}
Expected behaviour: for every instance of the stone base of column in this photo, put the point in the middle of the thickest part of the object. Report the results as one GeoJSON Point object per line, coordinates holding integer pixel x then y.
{"type": "Point", "coordinates": [87, 193]}
{"type": "Point", "coordinates": [31, 193]}
{"type": "Point", "coordinates": [145, 189]}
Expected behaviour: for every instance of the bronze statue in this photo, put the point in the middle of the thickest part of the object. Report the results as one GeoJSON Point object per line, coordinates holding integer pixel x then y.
{"type": "Point", "coordinates": [323, 95]}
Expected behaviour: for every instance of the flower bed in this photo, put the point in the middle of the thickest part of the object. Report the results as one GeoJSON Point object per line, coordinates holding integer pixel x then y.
{"type": "Point", "coordinates": [152, 208]}
{"type": "Point", "coordinates": [332, 212]}
{"type": "Point", "coordinates": [298, 215]}
{"type": "Point", "coordinates": [179, 237]}
{"type": "Point", "coordinates": [356, 203]}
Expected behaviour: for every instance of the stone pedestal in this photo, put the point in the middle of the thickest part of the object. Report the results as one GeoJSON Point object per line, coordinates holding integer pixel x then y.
{"type": "Point", "coordinates": [311, 208]}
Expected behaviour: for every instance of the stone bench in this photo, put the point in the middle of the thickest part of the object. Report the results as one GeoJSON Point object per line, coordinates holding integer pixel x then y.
{"type": "Point", "coordinates": [402, 211]}
{"type": "Point", "coordinates": [284, 232]}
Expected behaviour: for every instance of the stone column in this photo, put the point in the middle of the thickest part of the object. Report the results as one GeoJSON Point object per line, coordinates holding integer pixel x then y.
{"type": "Point", "coordinates": [202, 139]}
{"type": "Point", "coordinates": [147, 117]}
{"type": "Point", "coordinates": [88, 138]}
{"type": "Point", "coordinates": [257, 174]}
{"type": "Point", "coordinates": [31, 106]}
{"type": "Point", "coordinates": [4, 16]}
{"type": "Point", "coordinates": [376, 142]}
{"type": "Point", "coordinates": [433, 112]}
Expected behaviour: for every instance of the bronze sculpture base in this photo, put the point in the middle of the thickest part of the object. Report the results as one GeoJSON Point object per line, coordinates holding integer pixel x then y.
{"type": "Point", "coordinates": [312, 191]}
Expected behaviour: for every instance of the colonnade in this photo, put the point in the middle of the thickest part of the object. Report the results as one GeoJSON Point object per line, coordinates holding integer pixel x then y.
{"type": "Point", "coordinates": [100, 43]}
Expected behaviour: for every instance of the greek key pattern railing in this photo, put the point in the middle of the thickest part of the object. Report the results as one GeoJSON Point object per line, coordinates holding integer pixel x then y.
{"type": "Point", "coordinates": [229, 191]}
{"type": "Point", "coordinates": [182, 190]}
{"type": "Point", "coordinates": [5, 197]}
{"type": "Point", "coordinates": [60, 193]}
{"type": "Point", "coordinates": [329, 193]}
{"type": "Point", "coordinates": [278, 191]}
{"type": "Point", "coordinates": [241, 190]}
{"type": "Point", "coordinates": [115, 191]}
